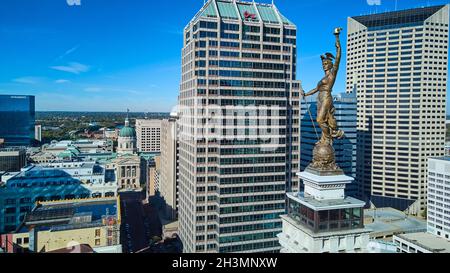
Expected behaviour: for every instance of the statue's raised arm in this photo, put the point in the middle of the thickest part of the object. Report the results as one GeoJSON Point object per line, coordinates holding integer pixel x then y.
{"type": "Point", "coordinates": [337, 33]}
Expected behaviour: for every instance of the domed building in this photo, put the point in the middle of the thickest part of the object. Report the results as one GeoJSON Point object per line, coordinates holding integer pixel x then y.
{"type": "Point", "coordinates": [127, 140]}
{"type": "Point", "coordinates": [128, 164]}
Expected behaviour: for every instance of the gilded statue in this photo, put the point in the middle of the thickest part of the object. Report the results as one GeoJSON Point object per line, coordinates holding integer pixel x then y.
{"type": "Point", "coordinates": [324, 153]}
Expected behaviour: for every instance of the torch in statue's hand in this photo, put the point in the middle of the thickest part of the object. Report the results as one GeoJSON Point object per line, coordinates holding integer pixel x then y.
{"type": "Point", "coordinates": [337, 31]}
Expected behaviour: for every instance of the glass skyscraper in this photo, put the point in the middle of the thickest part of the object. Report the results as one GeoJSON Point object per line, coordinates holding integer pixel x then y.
{"type": "Point", "coordinates": [239, 127]}
{"type": "Point", "coordinates": [346, 113]}
{"type": "Point", "coordinates": [17, 120]}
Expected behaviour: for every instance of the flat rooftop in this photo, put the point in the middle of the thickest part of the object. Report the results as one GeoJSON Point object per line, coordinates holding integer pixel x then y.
{"type": "Point", "coordinates": [39, 174]}
{"type": "Point", "coordinates": [69, 165]}
{"type": "Point", "coordinates": [428, 241]}
{"type": "Point", "coordinates": [79, 249]}
{"type": "Point", "coordinates": [67, 215]}
{"type": "Point", "coordinates": [390, 220]}
{"type": "Point", "coordinates": [171, 225]}
{"type": "Point", "coordinates": [11, 149]}
{"type": "Point", "coordinates": [64, 209]}
{"type": "Point", "coordinates": [149, 156]}
{"type": "Point", "coordinates": [348, 202]}
{"type": "Point", "coordinates": [403, 17]}
{"type": "Point", "coordinates": [443, 158]}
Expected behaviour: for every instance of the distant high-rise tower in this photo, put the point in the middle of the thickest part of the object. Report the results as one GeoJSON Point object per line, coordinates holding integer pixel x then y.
{"type": "Point", "coordinates": [170, 166]}
{"type": "Point", "coordinates": [38, 133]}
{"type": "Point", "coordinates": [239, 127]}
{"type": "Point", "coordinates": [346, 113]}
{"type": "Point", "coordinates": [397, 64]}
{"type": "Point", "coordinates": [438, 211]}
{"type": "Point", "coordinates": [17, 120]}
{"type": "Point", "coordinates": [148, 134]}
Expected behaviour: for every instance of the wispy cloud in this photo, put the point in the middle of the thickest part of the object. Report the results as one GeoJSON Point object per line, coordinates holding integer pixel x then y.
{"type": "Point", "coordinates": [93, 89]}
{"type": "Point", "coordinates": [127, 90]}
{"type": "Point", "coordinates": [107, 89]}
{"type": "Point", "coordinates": [61, 81]}
{"type": "Point", "coordinates": [68, 52]}
{"type": "Point", "coordinates": [73, 67]}
{"type": "Point", "coordinates": [27, 80]}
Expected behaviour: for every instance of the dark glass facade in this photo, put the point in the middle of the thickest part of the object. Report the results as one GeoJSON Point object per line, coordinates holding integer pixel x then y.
{"type": "Point", "coordinates": [346, 114]}
{"type": "Point", "coordinates": [17, 120]}
{"type": "Point", "coordinates": [326, 220]}
{"type": "Point", "coordinates": [411, 17]}
{"type": "Point", "coordinates": [239, 147]}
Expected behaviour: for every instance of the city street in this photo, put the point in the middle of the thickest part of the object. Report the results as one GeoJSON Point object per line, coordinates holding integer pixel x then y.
{"type": "Point", "coordinates": [140, 223]}
{"type": "Point", "coordinates": [133, 235]}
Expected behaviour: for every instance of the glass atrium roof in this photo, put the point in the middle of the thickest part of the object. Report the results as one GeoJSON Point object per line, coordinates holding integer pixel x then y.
{"type": "Point", "coordinates": [248, 9]}
{"type": "Point", "coordinates": [227, 10]}
{"type": "Point", "coordinates": [268, 14]}
{"type": "Point", "coordinates": [96, 208]}
{"type": "Point", "coordinates": [209, 11]}
{"type": "Point", "coordinates": [237, 10]}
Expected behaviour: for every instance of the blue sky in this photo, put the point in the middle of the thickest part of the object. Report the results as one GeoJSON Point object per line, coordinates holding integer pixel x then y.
{"type": "Point", "coordinates": [110, 55]}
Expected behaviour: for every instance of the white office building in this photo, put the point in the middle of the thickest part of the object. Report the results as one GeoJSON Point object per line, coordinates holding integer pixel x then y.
{"type": "Point", "coordinates": [397, 64]}
{"type": "Point", "coordinates": [421, 243]}
{"type": "Point", "coordinates": [169, 166]}
{"type": "Point", "coordinates": [437, 237]}
{"type": "Point", "coordinates": [148, 133]}
{"type": "Point", "coordinates": [439, 197]}
{"type": "Point", "coordinates": [38, 133]}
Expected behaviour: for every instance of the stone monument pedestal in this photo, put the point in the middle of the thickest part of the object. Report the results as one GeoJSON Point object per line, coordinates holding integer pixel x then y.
{"type": "Point", "coordinates": [322, 219]}
{"type": "Point", "coordinates": [320, 187]}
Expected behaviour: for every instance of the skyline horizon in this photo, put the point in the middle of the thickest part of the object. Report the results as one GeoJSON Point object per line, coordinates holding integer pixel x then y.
{"type": "Point", "coordinates": [84, 62]}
